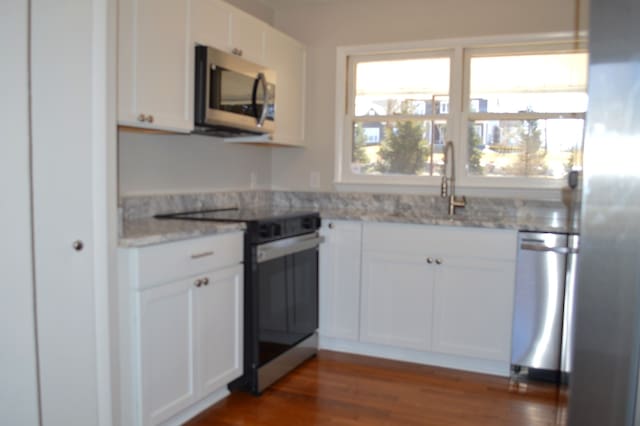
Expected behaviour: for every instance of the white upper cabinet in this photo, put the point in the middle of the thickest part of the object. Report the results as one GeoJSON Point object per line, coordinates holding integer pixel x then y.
{"type": "Point", "coordinates": [211, 24]}
{"type": "Point", "coordinates": [215, 23]}
{"type": "Point", "coordinates": [247, 37]}
{"type": "Point", "coordinates": [154, 70]}
{"type": "Point", "coordinates": [156, 41]}
{"type": "Point", "coordinates": [288, 58]}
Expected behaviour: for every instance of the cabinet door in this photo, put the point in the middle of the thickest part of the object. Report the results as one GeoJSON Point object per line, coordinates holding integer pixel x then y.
{"type": "Point", "coordinates": [340, 279]}
{"type": "Point", "coordinates": [154, 87]}
{"type": "Point", "coordinates": [473, 305]}
{"type": "Point", "coordinates": [166, 351]}
{"type": "Point", "coordinates": [288, 58]}
{"type": "Point", "coordinates": [247, 35]}
{"type": "Point", "coordinates": [211, 24]}
{"type": "Point", "coordinates": [219, 324]}
{"type": "Point", "coordinates": [397, 291]}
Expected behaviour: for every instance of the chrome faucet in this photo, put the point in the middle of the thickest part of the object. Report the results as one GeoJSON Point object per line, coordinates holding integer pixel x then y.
{"type": "Point", "coordinates": [448, 185]}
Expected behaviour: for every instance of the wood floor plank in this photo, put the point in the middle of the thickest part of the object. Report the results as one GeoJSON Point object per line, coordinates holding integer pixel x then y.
{"type": "Point", "coordinates": [337, 389]}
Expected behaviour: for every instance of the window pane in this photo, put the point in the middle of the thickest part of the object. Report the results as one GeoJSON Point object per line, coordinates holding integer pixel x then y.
{"type": "Point", "coordinates": [523, 148]}
{"type": "Point", "coordinates": [407, 86]}
{"type": "Point", "coordinates": [521, 83]}
{"type": "Point", "coordinates": [403, 147]}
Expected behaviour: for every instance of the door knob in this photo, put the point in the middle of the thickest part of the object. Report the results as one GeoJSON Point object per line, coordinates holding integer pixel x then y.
{"type": "Point", "coordinates": [77, 245]}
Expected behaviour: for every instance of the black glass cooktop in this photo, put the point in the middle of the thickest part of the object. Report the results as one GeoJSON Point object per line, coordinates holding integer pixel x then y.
{"type": "Point", "coordinates": [238, 215]}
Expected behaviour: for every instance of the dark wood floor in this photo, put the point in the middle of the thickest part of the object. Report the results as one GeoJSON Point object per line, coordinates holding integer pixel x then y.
{"type": "Point", "coordinates": [342, 389]}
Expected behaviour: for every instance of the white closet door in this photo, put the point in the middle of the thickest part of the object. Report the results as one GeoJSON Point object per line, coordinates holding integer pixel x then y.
{"type": "Point", "coordinates": [73, 133]}
{"type": "Point", "coordinates": [18, 381]}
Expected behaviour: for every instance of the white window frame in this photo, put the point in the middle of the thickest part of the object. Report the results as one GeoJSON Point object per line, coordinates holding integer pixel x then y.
{"type": "Point", "coordinates": [345, 179]}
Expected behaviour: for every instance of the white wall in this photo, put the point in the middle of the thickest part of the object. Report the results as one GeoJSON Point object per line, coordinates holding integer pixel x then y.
{"type": "Point", "coordinates": [156, 164]}
{"type": "Point", "coordinates": [18, 383]}
{"type": "Point", "coordinates": [323, 26]}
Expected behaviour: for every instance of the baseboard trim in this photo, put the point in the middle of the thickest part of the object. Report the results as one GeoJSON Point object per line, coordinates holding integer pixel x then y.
{"type": "Point", "coordinates": [197, 408]}
{"type": "Point", "coordinates": [496, 368]}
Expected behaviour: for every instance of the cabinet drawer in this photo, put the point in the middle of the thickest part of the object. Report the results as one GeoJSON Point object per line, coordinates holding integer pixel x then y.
{"type": "Point", "coordinates": [437, 240]}
{"type": "Point", "coordinates": [167, 262]}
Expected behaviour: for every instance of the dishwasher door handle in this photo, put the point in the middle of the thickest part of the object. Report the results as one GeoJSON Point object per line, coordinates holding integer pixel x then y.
{"type": "Point", "coordinates": [542, 247]}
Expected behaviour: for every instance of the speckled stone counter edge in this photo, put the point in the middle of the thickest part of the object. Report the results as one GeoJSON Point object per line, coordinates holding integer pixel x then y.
{"type": "Point", "coordinates": [532, 215]}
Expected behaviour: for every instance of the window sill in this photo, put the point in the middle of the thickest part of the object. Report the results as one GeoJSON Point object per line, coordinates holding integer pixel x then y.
{"type": "Point", "coordinates": [542, 194]}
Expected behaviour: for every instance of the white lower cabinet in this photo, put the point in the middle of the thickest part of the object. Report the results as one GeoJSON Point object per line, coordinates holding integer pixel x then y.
{"type": "Point", "coordinates": [167, 340]}
{"type": "Point", "coordinates": [181, 340]}
{"type": "Point", "coordinates": [340, 279]}
{"type": "Point", "coordinates": [397, 293]}
{"type": "Point", "coordinates": [473, 304]}
{"type": "Point", "coordinates": [219, 343]}
{"type": "Point", "coordinates": [444, 292]}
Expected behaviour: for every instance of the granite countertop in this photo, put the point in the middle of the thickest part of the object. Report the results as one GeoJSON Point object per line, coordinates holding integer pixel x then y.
{"type": "Point", "coordinates": [541, 223]}
{"type": "Point", "coordinates": [147, 231]}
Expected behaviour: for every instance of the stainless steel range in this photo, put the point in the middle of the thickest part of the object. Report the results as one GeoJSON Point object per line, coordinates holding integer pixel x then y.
{"type": "Point", "coordinates": [281, 289]}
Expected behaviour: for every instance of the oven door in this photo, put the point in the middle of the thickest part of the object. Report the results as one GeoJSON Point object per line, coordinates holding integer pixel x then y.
{"type": "Point", "coordinates": [287, 273]}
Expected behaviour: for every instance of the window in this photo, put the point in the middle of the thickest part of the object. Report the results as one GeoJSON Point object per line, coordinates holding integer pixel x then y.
{"type": "Point", "coordinates": [525, 112]}
{"type": "Point", "coordinates": [399, 113]}
{"type": "Point", "coordinates": [514, 112]}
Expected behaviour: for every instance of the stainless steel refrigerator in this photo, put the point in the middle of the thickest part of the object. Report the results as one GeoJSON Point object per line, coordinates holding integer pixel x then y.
{"type": "Point", "coordinates": [604, 384]}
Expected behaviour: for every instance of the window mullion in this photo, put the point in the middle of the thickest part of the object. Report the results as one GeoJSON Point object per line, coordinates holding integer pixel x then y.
{"type": "Point", "coordinates": [456, 119]}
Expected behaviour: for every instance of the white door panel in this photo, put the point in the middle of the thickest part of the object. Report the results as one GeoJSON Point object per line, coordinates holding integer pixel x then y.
{"type": "Point", "coordinates": [73, 128]}
{"type": "Point", "coordinates": [18, 379]}
{"type": "Point", "coordinates": [397, 292]}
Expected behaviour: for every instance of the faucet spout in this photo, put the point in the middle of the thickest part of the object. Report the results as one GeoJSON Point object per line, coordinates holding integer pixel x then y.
{"type": "Point", "coordinates": [448, 185]}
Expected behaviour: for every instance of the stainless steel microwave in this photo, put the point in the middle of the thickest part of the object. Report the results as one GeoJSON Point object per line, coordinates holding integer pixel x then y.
{"type": "Point", "coordinates": [233, 97]}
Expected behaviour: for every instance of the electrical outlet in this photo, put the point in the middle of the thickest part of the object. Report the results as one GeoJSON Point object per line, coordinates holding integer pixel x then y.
{"type": "Point", "coordinates": [253, 180]}
{"type": "Point", "coordinates": [314, 179]}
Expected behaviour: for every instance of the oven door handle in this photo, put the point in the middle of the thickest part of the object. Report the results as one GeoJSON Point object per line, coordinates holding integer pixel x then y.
{"type": "Point", "coordinates": [286, 247]}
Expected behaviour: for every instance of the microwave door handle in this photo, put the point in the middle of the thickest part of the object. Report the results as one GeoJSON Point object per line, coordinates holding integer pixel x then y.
{"type": "Point", "coordinates": [265, 98]}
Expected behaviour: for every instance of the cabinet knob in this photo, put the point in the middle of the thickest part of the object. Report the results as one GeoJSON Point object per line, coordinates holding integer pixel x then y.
{"type": "Point", "coordinates": [429, 260]}
{"type": "Point", "coordinates": [205, 281]}
{"type": "Point", "coordinates": [77, 245]}
{"type": "Point", "coordinates": [331, 226]}
{"type": "Point", "coordinates": [236, 51]}
{"type": "Point", "coordinates": [438, 261]}
{"type": "Point", "coordinates": [198, 283]}
{"type": "Point", "coordinates": [142, 117]}
{"type": "Point", "coordinates": [149, 118]}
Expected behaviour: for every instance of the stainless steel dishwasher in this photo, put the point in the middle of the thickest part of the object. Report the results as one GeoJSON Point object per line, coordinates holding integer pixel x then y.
{"type": "Point", "coordinates": [543, 310]}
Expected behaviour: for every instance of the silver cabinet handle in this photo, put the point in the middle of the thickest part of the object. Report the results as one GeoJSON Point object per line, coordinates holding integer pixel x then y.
{"type": "Point", "coordinates": [198, 283]}
{"type": "Point", "coordinates": [236, 51]}
{"type": "Point", "coordinates": [201, 255]}
{"type": "Point", "coordinates": [438, 261]}
{"type": "Point", "coordinates": [429, 260]}
{"type": "Point", "coordinates": [205, 281]}
{"type": "Point", "coordinates": [149, 118]}
{"type": "Point", "coordinates": [77, 245]}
